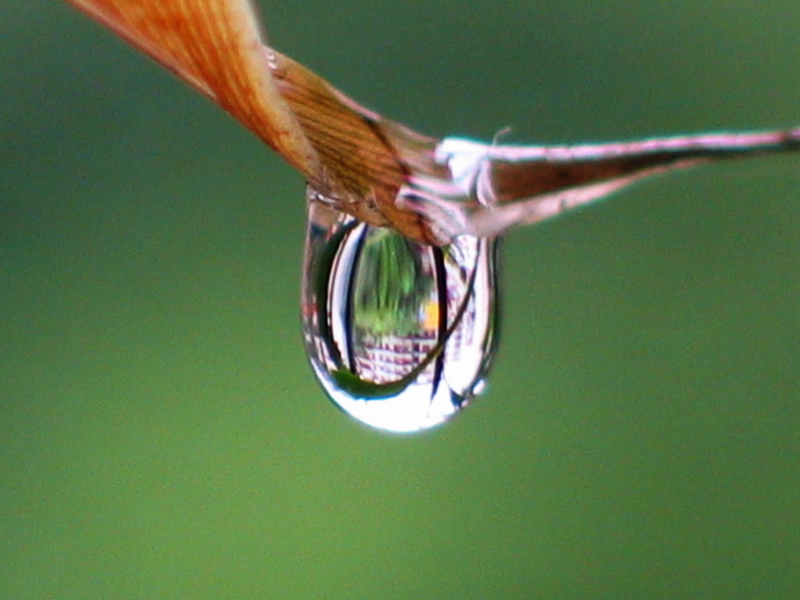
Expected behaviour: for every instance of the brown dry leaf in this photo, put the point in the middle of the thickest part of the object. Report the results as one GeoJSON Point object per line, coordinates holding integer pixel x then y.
{"type": "Point", "coordinates": [216, 46]}
{"type": "Point", "coordinates": [358, 162]}
{"type": "Point", "coordinates": [354, 158]}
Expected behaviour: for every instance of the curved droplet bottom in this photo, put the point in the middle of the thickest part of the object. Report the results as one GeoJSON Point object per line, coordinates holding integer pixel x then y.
{"type": "Point", "coordinates": [400, 335]}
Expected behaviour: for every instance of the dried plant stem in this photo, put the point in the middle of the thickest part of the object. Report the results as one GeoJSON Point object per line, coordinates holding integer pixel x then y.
{"type": "Point", "coordinates": [377, 170]}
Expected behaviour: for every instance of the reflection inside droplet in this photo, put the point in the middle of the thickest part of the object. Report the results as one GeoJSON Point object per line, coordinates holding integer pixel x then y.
{"type": "Point", "coordinates": [399, 334]}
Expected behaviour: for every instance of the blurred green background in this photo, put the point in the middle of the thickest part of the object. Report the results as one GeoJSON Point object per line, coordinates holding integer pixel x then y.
{"type": "Point", "coordinates": [161, 435]}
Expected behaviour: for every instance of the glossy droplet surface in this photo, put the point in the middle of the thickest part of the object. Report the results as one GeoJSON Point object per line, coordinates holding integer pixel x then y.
{"type": "Point", "coordinates": [400, 335]}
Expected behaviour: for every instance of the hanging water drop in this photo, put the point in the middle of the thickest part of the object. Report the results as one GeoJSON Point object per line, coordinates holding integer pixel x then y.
{"type": "Point", "coordinates": [399, 334]}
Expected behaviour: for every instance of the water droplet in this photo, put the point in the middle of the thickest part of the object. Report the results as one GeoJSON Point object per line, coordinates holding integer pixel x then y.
{"type": "Point", "coordinates": [400, 335]}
